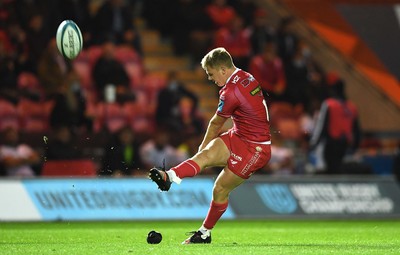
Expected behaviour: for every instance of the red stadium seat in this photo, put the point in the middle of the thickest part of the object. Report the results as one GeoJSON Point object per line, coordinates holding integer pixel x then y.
{"type": "Point", "coordinates": [135, 73]}
{"type": "Point", "coordinates": [8, 115]}
{"type": "Point", "coordinates": [34, 116]}
{"type": "Point", "coordinates": [93, 53]}
{"type": "Point", "coordinates": [83, 69]}
{"type": "Point", "coordinates": [83, 56]}
{"type": "Point", "coordinates": [139, 117]}
{"type": "Point", "coordinates": [286, 119]}
{"type": "Point", "coordinates": [110, 116]}
{"type": "Point", "coordinates": [82, 167]}
{"type": "Point", "coordinates": [152, 84]}
{"type": "Point", "coordinates": [29, 82]}
{"type": "Point", "coordinates": [126, 54]}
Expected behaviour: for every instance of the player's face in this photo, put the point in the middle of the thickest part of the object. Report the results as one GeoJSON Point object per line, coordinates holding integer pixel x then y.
{"type": "Point", "coordinates": [216, 75]}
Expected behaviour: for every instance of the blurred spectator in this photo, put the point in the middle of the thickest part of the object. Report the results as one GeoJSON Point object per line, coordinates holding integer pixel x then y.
{"type": "Point", "coordinates": [23, 11]}
{"type": "Point", "coordinates": [5, 42]}
{"type": "Point", "coordinates": [6, 11]}
{"type": "Point", "coordinates": [158, 148]}
{"type": "Point", "coordinates": [287, 39]}
{"type": "Point", "coordinates": [61, 146]}
{"type": "Point", "coordinates": [37, 38]}
{"type": "Point", "coordinates": [53, 69]}
{"type": "Point", "coordinates": [18, 39]}
{"type": "Point", "coordinates": [282, 157]}
{"type": "Point", "coordinates": [114, 20]}
{"type": "Point", "coordinates": [70, 107]}
{"type": "Point", "coordinates": [29, 87]}
{"type": "Point", "coordinates": [20, 51]}
{"type": "Point", "coordinates": [161, 15]}
{"type": "Point", "coordinates": [236, 39]}
{"type": "Point", "coordinates": [297, 74]}
{"type": "Point", "coordinates": [122, 154]}
{"type": "Point", "coordinates": [167, 109]}
{"type": "Point", "coordinates": [189, 127]}
{"type": "Point", "coordinates": [186, 22]}
{"type": "Point", "coordinates": [318, 88]}
{"type": "Point", "coordinates": [337, 131]}
{"type": "Point", "coordinates": [8, 76]}
{"type": "Point", "coordinates": [12, 41]}
{"type": "Point", "coordinates": [188, 124]}
{"type": "Point", "coordinates": [221, 13]}
{"type": "Point", "coordinates": [109, 71]}
{"type": "Point", "coordinates": [261, 32]}
{"type": "Point", "coordinates": [268, 70]}
{"type": "Point", "coordinates": [190, 24]}
{"type": "Point", "coordinates": [246, 9]}
{"type": "Point", "coordinates": [191, 122]}
{"type": "Point", "coordinates": [16, 158]}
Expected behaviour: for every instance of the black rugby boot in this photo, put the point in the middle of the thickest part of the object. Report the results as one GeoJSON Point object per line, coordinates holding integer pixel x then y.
{"type": "Point", "coordinates": [160, 177]}
{"type": "Point", "coordinates": [197, 237]}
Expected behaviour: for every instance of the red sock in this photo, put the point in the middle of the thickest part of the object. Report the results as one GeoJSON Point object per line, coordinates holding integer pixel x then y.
{"type": "Point", "coordinates": [214, 213]}
{"type": "Point", "coordinates": [187, 168]}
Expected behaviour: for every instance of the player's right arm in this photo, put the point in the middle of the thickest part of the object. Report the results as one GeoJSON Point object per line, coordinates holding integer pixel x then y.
{"type": "Point", "coordinates": [214, 128]}
{"type": "Point", "coordinates": [321, 126]}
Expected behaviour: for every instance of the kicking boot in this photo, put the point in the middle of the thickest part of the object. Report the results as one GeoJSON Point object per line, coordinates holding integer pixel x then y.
{"type": "Point", "coordinates": [197, 237]}
{"type": "Point", "coordinates": [159, 176]}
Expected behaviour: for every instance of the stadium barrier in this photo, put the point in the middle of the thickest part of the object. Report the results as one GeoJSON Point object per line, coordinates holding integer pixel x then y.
{"type": "Point", "coordinates": [138, 199]}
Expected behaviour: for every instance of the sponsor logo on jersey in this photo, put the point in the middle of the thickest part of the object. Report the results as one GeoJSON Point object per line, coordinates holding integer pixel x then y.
{"type": "Point", "coordinates": [233, 162]}
{"type": "Point", "coordinates": [251, 162]}
{"type": "Point", "coordinates": [247, 81]}
{"type": "Point", "coordinates": [237, 157]}
{"type": "Point", "coordinates": [255, 91]}
{"type": "Point", "coordinates": [235, 79]}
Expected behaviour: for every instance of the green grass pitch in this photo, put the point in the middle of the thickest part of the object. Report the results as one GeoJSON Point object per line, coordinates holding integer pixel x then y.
{"type": "Point", "coordinates": [229, 237]}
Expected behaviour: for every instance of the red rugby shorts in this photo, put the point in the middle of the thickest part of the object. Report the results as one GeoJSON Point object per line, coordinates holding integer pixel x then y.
{"type": "Point", "coordinates": [245, 157]}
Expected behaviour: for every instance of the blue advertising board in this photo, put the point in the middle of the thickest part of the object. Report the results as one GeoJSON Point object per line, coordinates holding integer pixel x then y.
{"type": "Point", "coordinates": [119, 199]}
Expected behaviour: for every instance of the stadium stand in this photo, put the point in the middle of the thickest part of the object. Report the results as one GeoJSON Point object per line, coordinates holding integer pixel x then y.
{"type": "Point", "coordinates": [335, 29]}
{"type": "Point", "coordinates": [33, 115]}
{"type": "Point", "coordinates": [333, 44]}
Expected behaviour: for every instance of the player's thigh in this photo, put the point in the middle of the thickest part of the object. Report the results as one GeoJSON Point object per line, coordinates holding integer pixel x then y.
{"type": "Point", "coordinates": [215, 154]}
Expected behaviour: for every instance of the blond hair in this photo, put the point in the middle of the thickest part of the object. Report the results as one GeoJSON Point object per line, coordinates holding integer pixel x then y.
{"type": "Point", "coordinates": [216, 58]}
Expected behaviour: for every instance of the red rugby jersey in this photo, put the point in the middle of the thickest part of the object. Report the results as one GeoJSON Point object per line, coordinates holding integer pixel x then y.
{"type": "Point", "coordinates": [242, 100]}
{"type": "Point", "coordinates": [341, 118]}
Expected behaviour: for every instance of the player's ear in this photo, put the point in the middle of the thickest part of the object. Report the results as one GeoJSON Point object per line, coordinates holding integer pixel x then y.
{"type": "Point", "coordinates": [222, 69]}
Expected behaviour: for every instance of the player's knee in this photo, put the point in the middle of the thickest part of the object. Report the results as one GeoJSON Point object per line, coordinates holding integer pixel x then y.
{"type": "Point", "coordinates": [220, 191]}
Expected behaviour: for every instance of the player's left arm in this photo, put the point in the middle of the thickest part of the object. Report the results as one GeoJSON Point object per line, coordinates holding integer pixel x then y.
{"type": "Point", "coordinates": [214, 127]}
